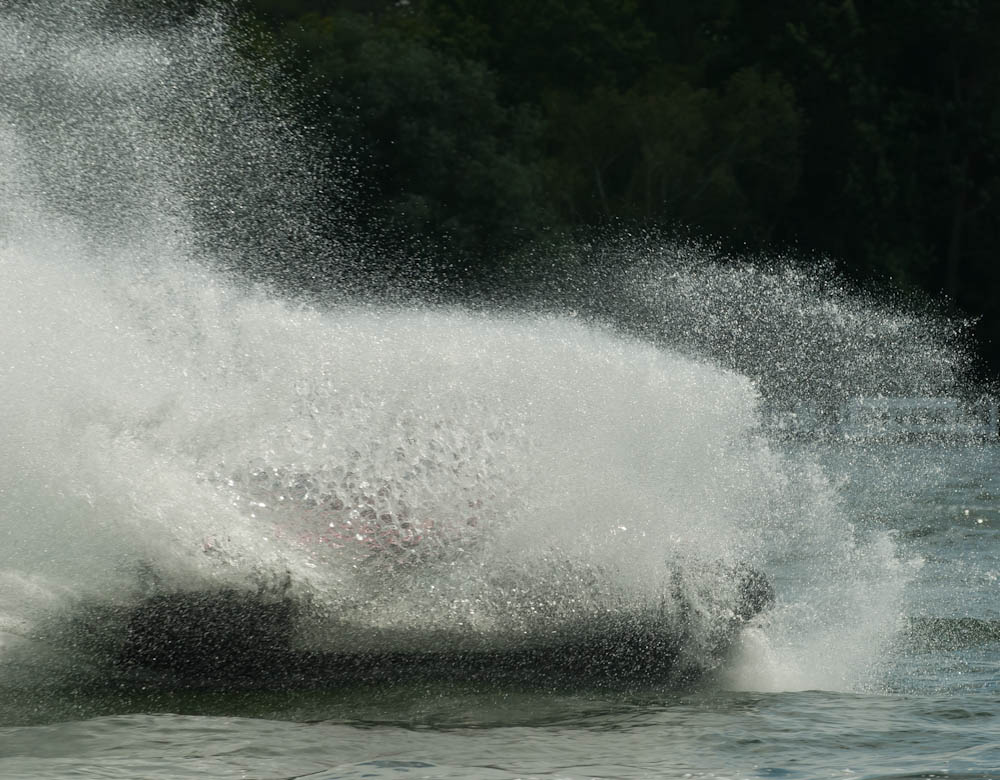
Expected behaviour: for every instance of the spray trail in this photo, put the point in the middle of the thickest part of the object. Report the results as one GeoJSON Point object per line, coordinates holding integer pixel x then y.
{"type": "Point", "coordinates": [414, 472]}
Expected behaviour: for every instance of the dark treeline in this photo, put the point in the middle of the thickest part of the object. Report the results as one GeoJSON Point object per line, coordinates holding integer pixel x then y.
{"type": "Point", "coordinates": [864, 131]}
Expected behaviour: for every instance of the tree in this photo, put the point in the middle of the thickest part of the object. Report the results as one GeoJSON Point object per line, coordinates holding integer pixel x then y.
{"type": "Point", "coordinates": [542, 45]}
{"type": "Point", "coordinates": [901, 171]}
{"type": "Point", "coordinates": [669, 151]}
{"type": "Point", "coordinates": [442, 159]}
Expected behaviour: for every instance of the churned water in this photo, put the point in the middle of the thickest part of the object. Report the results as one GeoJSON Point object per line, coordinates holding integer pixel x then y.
{"type": "Point", "coordinates": [418, 474]}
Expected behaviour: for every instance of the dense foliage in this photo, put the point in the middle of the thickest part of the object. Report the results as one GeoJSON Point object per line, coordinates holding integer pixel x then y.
{"type": "Point", "coordinates": [864, 131]}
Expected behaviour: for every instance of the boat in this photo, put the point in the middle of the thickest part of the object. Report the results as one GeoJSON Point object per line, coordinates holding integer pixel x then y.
{"type": "Point", "coordinates": [231, 639]}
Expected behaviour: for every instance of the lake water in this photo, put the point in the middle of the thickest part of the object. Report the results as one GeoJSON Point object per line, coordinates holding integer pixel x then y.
{"type": "Point", "coordinates": [427, 476]}
{"type": "Point", "coordinates": [928, 706]}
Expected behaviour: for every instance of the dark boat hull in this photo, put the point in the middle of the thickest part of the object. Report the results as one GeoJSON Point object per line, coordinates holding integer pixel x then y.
{"type": "Point", "coordinates": [231, 639]}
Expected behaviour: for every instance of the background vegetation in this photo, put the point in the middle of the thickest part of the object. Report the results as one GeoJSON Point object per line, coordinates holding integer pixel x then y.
{"type": "Point", "coordinates": [867, 131]}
